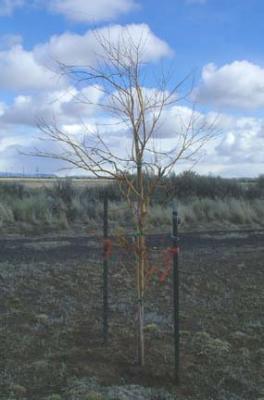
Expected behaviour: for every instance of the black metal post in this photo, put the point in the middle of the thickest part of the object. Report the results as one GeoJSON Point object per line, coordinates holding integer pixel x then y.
{"type": "Point", "coordinates": [105, 271]}
{"type": "Point", "coordinates": [175, 238]}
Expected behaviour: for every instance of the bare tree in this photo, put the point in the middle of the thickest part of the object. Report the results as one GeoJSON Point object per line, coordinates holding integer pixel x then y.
{"type": "Point", "coordinates": [137, 105]}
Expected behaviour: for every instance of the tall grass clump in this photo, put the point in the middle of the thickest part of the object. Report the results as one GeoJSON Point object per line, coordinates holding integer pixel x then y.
{"type": "Point", "coordinates": [222, 212]}
{"type": "Point", "coordinates": [32, 209]}
{"type": "Point", "coordinates": [201, 201]}
{"type": "Point", "coordinates": [6, 214]}
{"type": "Point", "coordinates": [159, 216]}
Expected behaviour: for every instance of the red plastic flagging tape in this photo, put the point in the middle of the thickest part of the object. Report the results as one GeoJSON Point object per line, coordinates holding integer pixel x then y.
{"type": "Point", "coordinates": [163, 273]}
{"type": "Point", "coordinates": [168, 255]}
{"type": "Point", "coordinates": [173, 250]}
{"type": "Point", "coordinates": [107, 248]}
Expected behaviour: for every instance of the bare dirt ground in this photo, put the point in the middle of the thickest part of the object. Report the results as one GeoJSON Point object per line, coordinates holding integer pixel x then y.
{"type": "Point", "coordinates": [51, 307]}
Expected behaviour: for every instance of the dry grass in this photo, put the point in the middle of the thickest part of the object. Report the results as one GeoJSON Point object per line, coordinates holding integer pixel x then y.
{"type": "Point", "coordinates": [36, 183]}
{"type": "Point", "coordinates": [63, 205]}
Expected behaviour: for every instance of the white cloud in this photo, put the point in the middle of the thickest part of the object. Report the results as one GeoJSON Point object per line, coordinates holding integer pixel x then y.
{"type": "Point", "coordinates": [239, 85]}
{"type": "Point", "coordinates": [240, 142]}
{"type": "Point", "coordinates": [75, 10]}
{"type": "Point", "coordinates": [2, 109]}
{"type": "Point", "coordinates": [238, 151]}
{"type": "Point", "coordinates": [91, 11]}
{"type": "Point", "coordinates": [22, 69]}
{"type": "Point", "coordinates": [19, 70]}
{"type": "Point", "coordinates": [68, 106]}
{"type": "Point", "coordinates": [8, 6]}
{"type": "Point", "coordinates": [74, 49]}
{"type": "Point", "coordinates": [243, 141]}
{"type": "Point", "coordinates": [42, 95]}
{"type": "Point", "coordinates": [9, 40]}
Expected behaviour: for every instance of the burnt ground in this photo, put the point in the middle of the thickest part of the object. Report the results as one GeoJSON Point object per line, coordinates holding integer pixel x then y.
{"type": "Point", "coordinates": [50, 248]}
{"type": "Point", "coordinates": [51, 308]}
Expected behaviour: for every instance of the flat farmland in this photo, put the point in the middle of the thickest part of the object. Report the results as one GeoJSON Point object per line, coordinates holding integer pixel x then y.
{"type": "Point", "coordinates": [51, 330]}
{"type": "Point", "coordinates": [36, 183]}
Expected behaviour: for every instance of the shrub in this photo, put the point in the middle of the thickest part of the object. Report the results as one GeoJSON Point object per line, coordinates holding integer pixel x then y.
{"type": "Point", "coordinates": [64, 205]}
{"type": "Point", "coordinates": [13, 190]}
{"type": "Point", "coordinates": [160, 216]}
{"type": "Point", "coordinates": [94, 396]}
{"type": "Point", "coordinates": [204, 344]}
{"type": "Point", "coordinates": [6, 214]}
{"type": "Point", "coordinates": [63, 189]}
{"type": "Point", "coordinates": [54, 397]}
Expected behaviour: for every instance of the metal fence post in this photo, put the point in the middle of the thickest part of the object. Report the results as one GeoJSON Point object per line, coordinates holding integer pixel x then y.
{"type": "Point", "coordinates": [175, 238]}
{"type": "Point", "coordinates": [105, 270]}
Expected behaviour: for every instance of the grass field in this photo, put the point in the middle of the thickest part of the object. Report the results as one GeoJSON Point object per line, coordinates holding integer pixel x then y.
{"type": "Point", "coordinates": [47, 205]}
{"type": "Point", "coordinates": [36, 183]}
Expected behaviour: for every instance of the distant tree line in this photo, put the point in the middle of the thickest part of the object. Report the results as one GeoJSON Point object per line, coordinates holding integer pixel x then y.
{"type": "Point", "coordinates": [189, 184]}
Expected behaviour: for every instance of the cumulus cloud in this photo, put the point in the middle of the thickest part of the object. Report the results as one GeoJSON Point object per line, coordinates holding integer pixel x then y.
{"type": "Point", "coordinates": [75, 49]}
{"type": "Point", "coordinates": [238, 85]}
{"type": "Point", "coordinates": [68, 106]}
{"type": "Point", "coordinates": [10, 40]}
{"type": "Point", "coordinates": [19, 70]}
{"type": "Point", "coordinates": [22, 69]}
{"type": "Point", "coordinates": [75, 10]}
{"type": "Point", "coordinates": [42, 95]}
{"type": "Point", "coordinates": [76, 112]}
{"type": "Point", "coordinates": [243, 141]}
{"type": "Point", "coordinates": [8, 6]}
{"type": "Point", "coordinates": [240, 143]}
{"type": "Point", "coordinates": [91, 11]}
{"type": "Point", "coordinates": [237, 151]}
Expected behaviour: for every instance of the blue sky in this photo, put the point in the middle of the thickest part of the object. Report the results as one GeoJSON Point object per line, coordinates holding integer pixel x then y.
{"type": "Point", "coordinates": [221, 41]}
